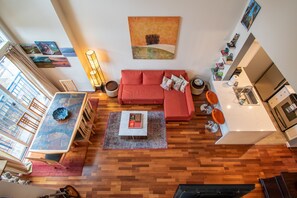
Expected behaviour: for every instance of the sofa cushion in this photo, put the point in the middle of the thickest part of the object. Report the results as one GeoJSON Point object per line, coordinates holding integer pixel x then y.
{"type": "Point", "coordinates": [168, 73]}
{"type": "Point", "coordinates": [177, 82]}
{"type": "Point", "coordinates": [175, 105]}
{"type": "Point", "coordinates": [184, 84]}
{"type": "Point", "coordinates": [152, 77]}
{"type": "Point", "coordinates": [166, 83]}
{"type": "Point", "coordinates": [142, 94]}
{"type": "Point", "coordinates": [131, 77]}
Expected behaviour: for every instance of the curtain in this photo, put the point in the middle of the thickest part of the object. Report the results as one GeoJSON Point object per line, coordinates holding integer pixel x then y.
{"type": "Point", "coordinates": [14, 165]}
{"type": "Point", "coordinates": [17, 56]}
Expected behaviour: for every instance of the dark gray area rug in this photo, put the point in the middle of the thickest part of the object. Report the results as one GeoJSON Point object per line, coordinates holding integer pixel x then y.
{"type": "Point", "coordinates": [156, 138]}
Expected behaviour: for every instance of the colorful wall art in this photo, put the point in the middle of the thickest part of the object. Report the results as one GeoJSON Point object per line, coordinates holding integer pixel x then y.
{"type": "Point", "coordinates": [30, 48]}
{"type": "Point", "coordinates": [59, 62]}
{"type": "Point", "coordinates": [250, 14]}
{"type": "Point", "coordinates": [68, 52]}
{"type": "Point", "coordinates": [50, 62]}
{"type": "Point", "coordinates": [48, 47]}
{"type": "Point", "coordinates": [42, 62]}
{"type": "Point", "coordinates": [153, 37]}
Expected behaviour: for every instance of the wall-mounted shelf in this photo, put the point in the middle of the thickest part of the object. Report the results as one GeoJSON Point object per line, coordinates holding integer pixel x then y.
{"type": "Point", "coordinates": [224, 70]}
{"type": "Point", "coordinates": [223, 66]}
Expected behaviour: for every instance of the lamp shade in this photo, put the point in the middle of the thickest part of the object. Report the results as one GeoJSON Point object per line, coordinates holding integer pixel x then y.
{"type": "Point", "coordinates": [95, 78]}
{"type": "Point", "coordinates": [92, 58]}
{"type": "Point", "coordinates": [96, 73]}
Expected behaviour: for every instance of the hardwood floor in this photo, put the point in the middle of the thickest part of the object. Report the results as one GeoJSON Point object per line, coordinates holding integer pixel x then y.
{"type": "Point", "coordinates": [191, 157]}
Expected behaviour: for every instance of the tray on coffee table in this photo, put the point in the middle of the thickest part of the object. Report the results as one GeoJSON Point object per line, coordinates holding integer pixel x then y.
{"type": "Point", "coordinates": [135, 121]}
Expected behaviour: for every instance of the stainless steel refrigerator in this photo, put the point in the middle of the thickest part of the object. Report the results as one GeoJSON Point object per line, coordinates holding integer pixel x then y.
{"type": "Point", "coordinates": [271, 81]}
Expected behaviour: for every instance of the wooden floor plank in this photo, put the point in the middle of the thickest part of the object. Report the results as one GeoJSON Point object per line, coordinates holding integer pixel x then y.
{"type": "Point", "coordinates": [191, 157]}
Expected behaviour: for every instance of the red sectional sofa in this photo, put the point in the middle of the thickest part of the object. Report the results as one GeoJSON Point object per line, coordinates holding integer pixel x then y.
{"type": "Point", "coordinates": [143, 87]}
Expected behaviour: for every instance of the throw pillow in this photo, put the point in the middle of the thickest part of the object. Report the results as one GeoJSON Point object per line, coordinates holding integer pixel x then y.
{"type": "Point", "coordinates": [166, 83]}
{"type": "Point", "coordinates": [184, 84]}
{"type": "Point", "coordinates": [177, 82]}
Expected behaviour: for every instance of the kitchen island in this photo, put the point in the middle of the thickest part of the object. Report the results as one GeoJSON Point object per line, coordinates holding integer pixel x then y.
{"type": "Point", "coordinates": [244, 124]}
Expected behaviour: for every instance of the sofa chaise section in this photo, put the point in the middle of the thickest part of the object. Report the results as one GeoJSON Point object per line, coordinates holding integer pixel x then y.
{"type": "Point", "coordinates": [178, 106]}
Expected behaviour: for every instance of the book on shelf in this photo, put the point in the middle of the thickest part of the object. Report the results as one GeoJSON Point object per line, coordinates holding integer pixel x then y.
{"type": "Point", "coordinates": [135, 121]}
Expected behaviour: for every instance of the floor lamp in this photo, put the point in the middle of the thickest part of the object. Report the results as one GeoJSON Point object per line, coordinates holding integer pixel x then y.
{"type": "Point", "coordinates": [96, 73]}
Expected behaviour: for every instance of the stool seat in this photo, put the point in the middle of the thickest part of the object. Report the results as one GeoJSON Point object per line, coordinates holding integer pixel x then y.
{"type": "Point", "coordinates": [211, 97]}
{"type": "Point", "coordinates": [217, 116]}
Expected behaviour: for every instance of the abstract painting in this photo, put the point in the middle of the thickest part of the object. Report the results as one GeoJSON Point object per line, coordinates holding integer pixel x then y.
{"type": "Point", "coordinates": [68, 52]}
{"type": "Point", "coordinates": [50, 62]}
{"type": "Point", "coordinates": [250, 14]}
{"type": "Point", "coordinates": [59, 62]}
{"type": "Point", "coordinates": [30, 48]}
{"type": "Point", "coordinates": [42, 62]}
{"type": "Point", "coordinates": [153, 37]}
{"type": "Point", "coordinates": [48, 47]}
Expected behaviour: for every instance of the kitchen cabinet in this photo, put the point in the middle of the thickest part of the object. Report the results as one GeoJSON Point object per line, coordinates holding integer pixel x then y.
{"type": "Point", "coordinates": [291, 133]}
{"type": "Point", "coordinates": [271, 81]}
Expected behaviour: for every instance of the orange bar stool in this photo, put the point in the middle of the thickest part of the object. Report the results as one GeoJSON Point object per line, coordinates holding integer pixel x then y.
{"type": "Point", "coordinates": [218, 118]}
{"type": "Point", "coordinates": [212, 99]}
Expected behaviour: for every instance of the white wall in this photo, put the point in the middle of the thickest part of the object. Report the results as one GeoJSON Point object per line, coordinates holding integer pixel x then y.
{"type": "Point", "coordinates": [275, 30]}
{"type": "Point", "coordinates": [35, 20]}
{"type": "Point", "coordinates": [205, 28]}
{"type": "Point", "coordinates": [102, 25]}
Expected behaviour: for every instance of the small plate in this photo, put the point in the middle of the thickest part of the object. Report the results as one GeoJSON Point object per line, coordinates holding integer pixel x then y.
{"type": "Point", "coordinates": [60, 114]}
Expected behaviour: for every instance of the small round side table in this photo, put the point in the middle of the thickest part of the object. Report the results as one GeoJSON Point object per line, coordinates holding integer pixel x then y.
{"type": "Point", "coordinates": [197, 86]}
{"type": "Point", "coordinates": [112, 88]}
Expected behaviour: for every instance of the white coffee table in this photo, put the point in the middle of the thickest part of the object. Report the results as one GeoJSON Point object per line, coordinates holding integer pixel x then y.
{"type": "Point", "coordinates": [125, 131]}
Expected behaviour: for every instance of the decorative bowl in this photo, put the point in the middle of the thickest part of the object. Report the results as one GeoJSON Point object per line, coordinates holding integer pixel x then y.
{"type": "Point", "coordinates": [60, 114]}
{"type": "Point", "coordinates": [198, 82]}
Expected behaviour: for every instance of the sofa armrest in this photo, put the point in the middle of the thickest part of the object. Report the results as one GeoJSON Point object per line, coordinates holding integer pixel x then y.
{"type": "Point", "coordinates": [120, 101]}
{"type": "Point", "coordinates": [189, 99]}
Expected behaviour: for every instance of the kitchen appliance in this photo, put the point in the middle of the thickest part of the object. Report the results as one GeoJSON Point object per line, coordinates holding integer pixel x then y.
{"type": "Point", "coordinates": [280, 96]}
{"type": "Point", "coordinates": [285, 113]}
{"type": "Point", "coordinates": [271, 81]}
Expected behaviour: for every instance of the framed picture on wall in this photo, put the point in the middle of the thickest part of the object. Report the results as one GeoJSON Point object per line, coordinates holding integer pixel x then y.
{"type": "Point", "coordinates": [48, 47]}
{"type": "Point", "coordinates": [60, 62]}
{"type": "Point", "coordinates": [42, 62]}
{"type": "Point", "coordinates": [68, 52]}
{"type": "Point", "coordinates": [30, 48]}
{"type": "Point", "coordinates": [250, 14]}
{"type": "Point", "coordinates": [153, 37]}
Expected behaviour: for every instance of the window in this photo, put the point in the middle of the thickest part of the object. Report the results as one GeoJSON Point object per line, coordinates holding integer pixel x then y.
{"type": "Point", "coordinates": [16, 93]}
{"type": "Point", "coordinates": [17, 84]}
{"type": "Point", "coordinates": [3, 39]}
